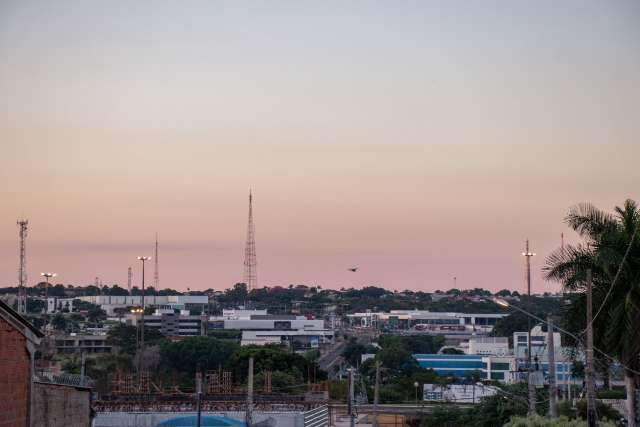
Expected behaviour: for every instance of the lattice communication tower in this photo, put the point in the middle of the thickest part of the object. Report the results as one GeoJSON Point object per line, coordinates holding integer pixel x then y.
{"type": "Point", "coordinates": [250, 271]}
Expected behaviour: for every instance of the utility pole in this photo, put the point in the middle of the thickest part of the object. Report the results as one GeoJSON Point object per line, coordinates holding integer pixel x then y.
{"type": "Point", "coordinates": [199, 397]}
{"type": "Point", "coordinates": [156, 270]}
{"type": "Point", "coordinates": [249, 415]}
{"type": "Point", "coordinates": [143, 259]}
{"type": "Point", "coordinates": [532, 387]}
{"type": "Point", "coordinates": [22, 269]}
{"type": "Point", "coordinates": [376, 395]}
{"type": "Point", "coordinates": [553, 390]}
{"type": "Point", "coordinates": [589, 372]}
{"type": "Point", "coordinates": [129, 280]}
{"type": "Point", "coordinates": [82, 368]}
{"type": "Point", "coordinates": [352, 415]}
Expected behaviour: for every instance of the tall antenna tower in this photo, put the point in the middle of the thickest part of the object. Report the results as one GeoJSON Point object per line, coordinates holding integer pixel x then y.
{"type": "Point", "coordinates": [129, 279]}
{"type": "Point", "coordinates": [156, 272]}
{"type": "Point", "coordinates": [250, 272]}
{"type": "Point", "coordinates": [22, 269]}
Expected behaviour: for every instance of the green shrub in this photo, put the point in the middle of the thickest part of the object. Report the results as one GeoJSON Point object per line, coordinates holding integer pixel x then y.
{"type": "Point", "coordinates": [612, 394]}
{"type": "Point", "coordinates": [539, 421]}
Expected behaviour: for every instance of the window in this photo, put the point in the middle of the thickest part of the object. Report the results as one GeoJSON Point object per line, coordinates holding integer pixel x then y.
{"type": "Point", "coordinates": [497, 375]}
{"type": "Point", "coordinates": [499, 366]}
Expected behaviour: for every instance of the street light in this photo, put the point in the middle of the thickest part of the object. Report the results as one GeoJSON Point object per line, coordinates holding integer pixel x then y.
{"type": "Point", "coordinates": [415, 386]}
{"type": "Point", "coordinates": [143, 259]}
{"type": "Point", "coordinates": [47, 276]}
{"type": "Point", "coordinates": [532, 391]}
{"type": "Point", "coordinates": [137, 311]}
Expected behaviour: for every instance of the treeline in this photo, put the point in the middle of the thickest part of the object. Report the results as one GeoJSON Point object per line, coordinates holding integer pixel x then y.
{"type": "Point", "coordinates": [175, 363]}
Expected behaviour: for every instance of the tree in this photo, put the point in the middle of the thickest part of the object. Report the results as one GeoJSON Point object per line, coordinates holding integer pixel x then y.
{"type": "Point", "coordinates": [124, 337]}
{"type": "Point", "coordinates": [353, 352]}
{"type": "Point", "coordinates": [196, 352]}
{"type": "Point", "coordinates": [96, 314]}
{"type": "Point", "coordinates": [117, 290]}
{"type": "Point", "coordinates": [611, 250]}
{"type": "Point", "coordinates": [397, 358]}
{"type": "Point", "coordinates": [59, 322]}
{"type": "Point", "coordinates": [273, 358]}
{"type": "Point", "coordinates": [503, 293]}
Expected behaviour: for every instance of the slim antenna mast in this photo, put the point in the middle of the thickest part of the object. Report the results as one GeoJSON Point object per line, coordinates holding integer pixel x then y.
{"type": "Point", "coordinates": [156, 272]}
{"type": "Point", "coordinates": [22, 269]}
{"type": "Point", "coordinates": [250, 272]}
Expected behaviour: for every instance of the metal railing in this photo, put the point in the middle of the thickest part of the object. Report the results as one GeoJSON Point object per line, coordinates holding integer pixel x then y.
{"type": "Point", "coordinates": [63, 379]}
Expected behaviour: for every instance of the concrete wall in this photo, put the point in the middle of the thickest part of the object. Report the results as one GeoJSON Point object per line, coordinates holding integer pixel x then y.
{"type": "Point", "coordinates": [14, 376]}
{"type": "Point", "coordinates": [60, 406]}
{"type": "Point", "coordinates": [153, 419]}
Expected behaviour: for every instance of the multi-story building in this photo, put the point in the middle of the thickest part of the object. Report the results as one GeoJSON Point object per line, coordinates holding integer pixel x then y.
{"type": "Point", "coordinates": [489, 346]}
{"type": "Point", "coordinates": [174, 302]}
{"type": "Point", "coordinates": [540, 356]}
{"type": "Point", "coordinates": [172, 324]}
{"type": "Point", "coordinates": [260, 328]}
{"type": "Point", "coordinates": [82, 343]}
{"type": "Point", "coordinates": [426, 320]}
{"type": "Point", "coordinates": [497, 368]}
{"type": "Point", "coordinates": [57, 305]}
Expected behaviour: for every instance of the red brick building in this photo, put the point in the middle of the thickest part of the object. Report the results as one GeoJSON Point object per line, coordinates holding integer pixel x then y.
{"type": "Point", "coordinates": [18, 342]}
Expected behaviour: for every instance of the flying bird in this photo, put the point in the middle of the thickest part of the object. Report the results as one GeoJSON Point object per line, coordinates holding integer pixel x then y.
{"type": "Point", "coordinates": [353, 269]}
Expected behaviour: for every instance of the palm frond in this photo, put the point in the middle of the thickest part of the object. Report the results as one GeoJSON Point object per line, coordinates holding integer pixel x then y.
{"type": "Point", "coordinates": [589, 221]}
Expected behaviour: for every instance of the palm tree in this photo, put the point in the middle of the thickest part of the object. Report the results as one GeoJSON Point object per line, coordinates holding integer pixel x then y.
{"type": "Point", "coordinates": [611, 250]}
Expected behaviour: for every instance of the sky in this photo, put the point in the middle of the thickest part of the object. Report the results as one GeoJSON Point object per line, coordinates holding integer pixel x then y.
{"type": "Point", "coordinates": [417, 140]}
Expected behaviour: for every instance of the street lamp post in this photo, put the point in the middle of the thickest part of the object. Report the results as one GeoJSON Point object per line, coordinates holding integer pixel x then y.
{"type": "Point", "coordinates": [415, 386]}
{"type": "Point", "coordinates": [137, 311]}
{"type": "Point", "coordinates": [143, 259]}
{"type": "Point", "coordinates": [532, 390]}
{"type": "Point", "coordinates": [47, 276]}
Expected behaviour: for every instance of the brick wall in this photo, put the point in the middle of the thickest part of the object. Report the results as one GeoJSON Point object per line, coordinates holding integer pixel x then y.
{"type": "Point", "coordinates": [14, 377]}
{"type": "Point", "coordinates": [60, 406]}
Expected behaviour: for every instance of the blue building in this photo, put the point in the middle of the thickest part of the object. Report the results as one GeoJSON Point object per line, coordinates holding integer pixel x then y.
{"type": "Point", "coordinates": [497, 368]}
{"type": "Point", "coordinates": [450, 365]}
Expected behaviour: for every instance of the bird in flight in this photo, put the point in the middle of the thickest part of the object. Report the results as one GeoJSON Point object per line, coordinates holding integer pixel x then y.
{"type": "Point", "coordinates": [353, 269]}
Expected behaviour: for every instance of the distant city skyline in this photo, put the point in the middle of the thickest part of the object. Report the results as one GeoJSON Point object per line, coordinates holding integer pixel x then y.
{"type": "Point", "coordinates": [418, 141]}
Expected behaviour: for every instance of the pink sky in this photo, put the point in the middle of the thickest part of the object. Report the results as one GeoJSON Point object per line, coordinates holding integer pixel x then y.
{"type": "Point", "coordinates": [418, 143]}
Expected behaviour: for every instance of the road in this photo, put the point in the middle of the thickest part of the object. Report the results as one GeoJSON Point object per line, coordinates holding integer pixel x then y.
{"type": "Point", "coordinates": [402, 408]}
{"type": "Point", "coordinates": [331, 357]}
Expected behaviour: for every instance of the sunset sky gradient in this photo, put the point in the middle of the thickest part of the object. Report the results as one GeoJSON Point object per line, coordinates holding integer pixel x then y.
{"type": "Point", "coordinates": [418, 140]}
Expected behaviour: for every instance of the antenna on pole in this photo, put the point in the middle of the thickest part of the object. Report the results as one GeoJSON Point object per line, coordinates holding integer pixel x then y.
{"type": "Point", "coordinates": [250, 272]}
{"type": "Point", "coordinates": [22, 269]}
{"type": "Point", "coordinates": [156, 271]}
{"type": "Point", "coordinates": [129, 279]}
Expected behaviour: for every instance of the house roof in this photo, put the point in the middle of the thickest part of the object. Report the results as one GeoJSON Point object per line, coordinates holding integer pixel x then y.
{"type": "Point", "coordinates": [19, 319]}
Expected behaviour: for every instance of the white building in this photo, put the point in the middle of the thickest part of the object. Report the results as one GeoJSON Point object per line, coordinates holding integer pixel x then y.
{"type": "Point", "coordinates": [260, 328]}
{"type": "Point", "coordinates": [110, 302]}
{"type": "Point", "coordinates": [296, 338]}
{"type": "Point", "coordinates": [56, 305]}
{"type": "Point", "coordinates": [540, 355]}
{"type": "Point", "coordinates": [539, 344]}
{"type": "Point", "coordinates": [427, 320]}
{"type": "Point", "coordinates": [489, 346]}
